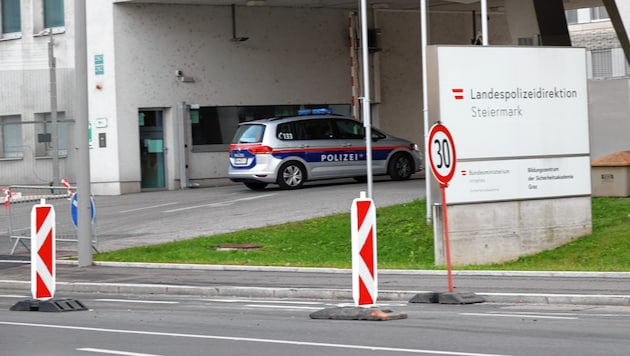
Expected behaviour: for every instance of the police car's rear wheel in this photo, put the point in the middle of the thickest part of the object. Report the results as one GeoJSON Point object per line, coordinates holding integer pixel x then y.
{"type": "Point", "coordinates": [292, 175]}
{"type": "Point", "coordinates": [255, 185]}
{"type": "Point", "coordinates": [401, 166]}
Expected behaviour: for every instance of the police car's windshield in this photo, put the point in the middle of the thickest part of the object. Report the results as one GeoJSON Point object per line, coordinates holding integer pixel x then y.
{"type": "Point", "coordinates": [249, 134]}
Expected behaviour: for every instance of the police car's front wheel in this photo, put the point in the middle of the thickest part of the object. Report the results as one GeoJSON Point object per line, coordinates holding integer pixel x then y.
{"type": "Point", "coordinates": [401, 166]}
{"type": "Point", "coordinates": [291, 175]}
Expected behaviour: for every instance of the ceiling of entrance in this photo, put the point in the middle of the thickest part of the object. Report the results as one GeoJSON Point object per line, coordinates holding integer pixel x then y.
{"type": "Point", "coordinates": [452, 5]}
{"type": "Point", "coordinates": [434, 5]}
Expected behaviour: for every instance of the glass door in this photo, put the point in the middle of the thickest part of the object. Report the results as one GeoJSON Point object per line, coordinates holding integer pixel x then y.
{"type": "Point", "coordinates": [152, 149]}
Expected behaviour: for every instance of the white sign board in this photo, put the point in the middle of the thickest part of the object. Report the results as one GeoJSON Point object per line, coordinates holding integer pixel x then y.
{"type": "Point", "coordinates": [512, 109]}
{"type": "Point", "coordinates": [516, 179]}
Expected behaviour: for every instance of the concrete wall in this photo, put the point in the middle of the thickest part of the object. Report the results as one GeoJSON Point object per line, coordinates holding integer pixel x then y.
{"type": "Point", "coordinates": [293, 56]}
{"type": "Point", "coordinates": [503, 231]}
{"type": "Point", "coordinates": [609, 110]}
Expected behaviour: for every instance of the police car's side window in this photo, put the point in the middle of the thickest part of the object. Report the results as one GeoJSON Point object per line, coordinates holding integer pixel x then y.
{"type": "Point", "coordinates": [291, 131]}
{"type": "Point", "coordinates": [286, 131]}
{"type": "Point", "coordinates": [349, 129]}
{"type": "Point", "coordinates": [317, 129]}
{"type": "Point", "coordinates": [249, 134]}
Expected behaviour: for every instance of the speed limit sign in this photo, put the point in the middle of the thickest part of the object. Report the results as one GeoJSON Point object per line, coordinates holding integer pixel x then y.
{"type": "Point", "coordinates": [441, 153]}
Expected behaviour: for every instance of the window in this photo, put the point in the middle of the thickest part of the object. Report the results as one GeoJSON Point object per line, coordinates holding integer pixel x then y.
{"type": "Point", "coordinates": [53, 13]}
{"type": "Point", "coordinates": [11, 21]}
{"type": "Point", "coordinates": [213, 127]}
{"type": "Point", "coordinates": [601, 63]}
{"type": "Point", "coordinates": [206, 126]}
{"type": "Point", "coordinates": [572, 16]}
{"type": "Point", "coordinates": [349, 129]}
{"type": "Point", "coordinates": [599, 13]}
{"type": "Point", "coordinates": [44, 146]}
{"type": "Point", "coordinates": [11, 137]}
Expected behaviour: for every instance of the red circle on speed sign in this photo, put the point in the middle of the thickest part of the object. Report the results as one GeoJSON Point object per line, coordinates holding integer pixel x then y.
{"type": "Point", "coordinates": [441, 153]}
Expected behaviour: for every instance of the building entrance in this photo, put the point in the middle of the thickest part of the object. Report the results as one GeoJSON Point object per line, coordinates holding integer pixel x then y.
{"type": "Point", "coordinates": [152, 149]}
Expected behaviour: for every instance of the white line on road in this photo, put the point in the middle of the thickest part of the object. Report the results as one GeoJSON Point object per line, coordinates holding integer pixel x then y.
{"type": "Point", "coordinates": [281, 307]}
{"type": "Point", "coordinates": [219, 204]}
{"type": "Point", "coordinates": [136, 301]}
{"type": "Point", "coordinates": [12, 296]}
{"type": "Point", "coordinates": [247, 339]}
{"type": "Point", "coordinates": [532, 316]}
{"type": "Point", "coordinates": [147, 207]}
{"type": "Point", "coordinates": [113, 352]}
{"type": "Point", "coordinates": [262, 301]}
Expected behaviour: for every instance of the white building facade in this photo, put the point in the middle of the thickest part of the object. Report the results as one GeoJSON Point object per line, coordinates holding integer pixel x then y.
{"type": "Point", "coordinates": [168, 81]}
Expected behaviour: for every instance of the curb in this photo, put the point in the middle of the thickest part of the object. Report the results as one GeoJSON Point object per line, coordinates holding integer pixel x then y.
{"type": "Point", "coordinates": [349, 271]}
{"type": "Point", "coordinates": [325, 293]}
{"type": "Point", "coordinates": [314, 293]}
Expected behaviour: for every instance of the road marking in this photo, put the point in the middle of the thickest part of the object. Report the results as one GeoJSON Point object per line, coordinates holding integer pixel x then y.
{"type": "Point", "coordinates": [147, 207]}
{"type": "Point", "coordinates": [113, 352]}
{"type": "Point", "coordinates": [247, 339]}
{"type": "Point", "coordinates": [281, 307]}
{"type": "Point", "coordinates": [220, 204]}
{"type": "Point", "coordinates": [532, 316]}
{"type": "Point", "coordinates": [15, 261]}
{"type": "Point", "coordinates": [136, 301]}
{"type": "Point", "coordinates": [12, 296]}
{"type": "Point", "coordinates": [262, 301]}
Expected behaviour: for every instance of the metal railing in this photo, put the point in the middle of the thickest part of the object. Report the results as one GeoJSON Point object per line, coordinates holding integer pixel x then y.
{"type": "Point", "coordinates": [19, 201]}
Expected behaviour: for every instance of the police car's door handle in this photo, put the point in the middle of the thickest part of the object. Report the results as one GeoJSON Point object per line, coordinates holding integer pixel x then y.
{"type": "Point", "coordinates": [347, 145]}
{"type": "Point", "coordinates": [305, 145]}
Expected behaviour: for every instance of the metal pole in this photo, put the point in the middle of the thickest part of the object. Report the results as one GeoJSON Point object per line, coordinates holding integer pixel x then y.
{"type": "Point", "coordinates": [484, 22]}
{"type": "Point", "coordinates": [367, 121]}
{"type": "Point", "coordinates": [425, 104]}
{"type": "Point", "coordinates": [181, 138]}
{"type": "Point", "coordinates": [54, 135]}
{"type": "Point", "coordinates": [81, 134]}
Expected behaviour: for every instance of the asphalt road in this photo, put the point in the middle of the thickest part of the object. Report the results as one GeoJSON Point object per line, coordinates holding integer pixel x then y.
{"type": "Point", "coordinates": [150, 325]}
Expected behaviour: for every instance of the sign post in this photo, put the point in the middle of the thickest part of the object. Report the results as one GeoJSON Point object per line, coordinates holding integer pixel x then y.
{"type": "Point", "coordinates": [43, 265]}
{"type": "Point", "coordinates": [43, 251]}
{"type": "Point", "coordinates": [442, 158]}
{"type": "Point", "coordinates": [364, 268]}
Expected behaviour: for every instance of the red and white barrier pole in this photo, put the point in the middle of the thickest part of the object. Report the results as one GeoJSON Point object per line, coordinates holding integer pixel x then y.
{"type": "Point", "coordinates": [67, 185]}
{"type": "Point", "coordinates": [7, 198]}
{"type": "Point", "coordinates": [43, 251]}
{"type": "Point", "coordinates": [364, 268]}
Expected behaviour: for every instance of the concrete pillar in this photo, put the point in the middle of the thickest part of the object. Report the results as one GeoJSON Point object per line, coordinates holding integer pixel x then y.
{"type": "Point", "coordinates": [521, 19]}
{"type": "Point", "coordinates": [552, 23]}
{"type": "Point", "coordinates": [619, 12]}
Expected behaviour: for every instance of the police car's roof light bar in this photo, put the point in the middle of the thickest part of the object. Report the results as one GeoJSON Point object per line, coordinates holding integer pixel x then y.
{"type": "Point", "coordinates": [320, 111]}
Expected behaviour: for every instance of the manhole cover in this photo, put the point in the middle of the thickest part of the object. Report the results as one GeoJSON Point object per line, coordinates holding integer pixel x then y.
{"type": "Point", "coordinates": [232, 247]}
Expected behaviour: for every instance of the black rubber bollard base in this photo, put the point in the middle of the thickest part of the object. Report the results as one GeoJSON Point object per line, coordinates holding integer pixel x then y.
{"type": "Point", "coordinates": [52, 305]}
{"type": "Point", "coordinates": [357, 313]}
{"type": "Point", "coordinates": [447, 298]}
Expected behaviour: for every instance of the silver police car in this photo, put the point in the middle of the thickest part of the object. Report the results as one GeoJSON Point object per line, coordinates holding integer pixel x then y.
{"type": "Point", "coordinates": [314, 145]}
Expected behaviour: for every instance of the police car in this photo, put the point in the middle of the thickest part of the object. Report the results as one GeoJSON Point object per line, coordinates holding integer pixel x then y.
{"type": "Point", "coordinates": [314, 145]}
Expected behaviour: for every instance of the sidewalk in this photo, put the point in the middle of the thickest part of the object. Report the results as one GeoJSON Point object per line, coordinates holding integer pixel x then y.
{"type": "Point", "coordinates": [588, 288]}
{"type": "Point", "coordinates": [122, 228]}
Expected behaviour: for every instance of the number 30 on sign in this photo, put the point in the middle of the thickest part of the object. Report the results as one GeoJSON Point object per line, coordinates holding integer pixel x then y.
{"type": "Point", "coordinates": [441, 153]}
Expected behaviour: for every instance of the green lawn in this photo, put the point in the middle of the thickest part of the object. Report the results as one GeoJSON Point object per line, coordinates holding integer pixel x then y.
{"type": "Point", "coordinates": [404, 242]}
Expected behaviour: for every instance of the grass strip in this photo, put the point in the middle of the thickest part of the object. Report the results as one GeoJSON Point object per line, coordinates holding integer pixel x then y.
{"type": "Point", "coordinates": [404, 242]}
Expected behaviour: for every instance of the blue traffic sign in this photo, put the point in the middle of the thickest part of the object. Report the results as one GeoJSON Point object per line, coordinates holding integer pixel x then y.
{"type": "Point", "coordinates": [74, 210]}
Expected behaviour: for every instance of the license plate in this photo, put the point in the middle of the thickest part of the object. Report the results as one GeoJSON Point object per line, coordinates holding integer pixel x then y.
{"type": "Point", "coordinates": [240, 161]}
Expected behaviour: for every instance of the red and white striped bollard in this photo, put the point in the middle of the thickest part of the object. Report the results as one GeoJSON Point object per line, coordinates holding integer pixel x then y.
{"type": "Point", "coordinates": [364, 267]}
{"type": "Point", "coordinates": [43, 251]}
